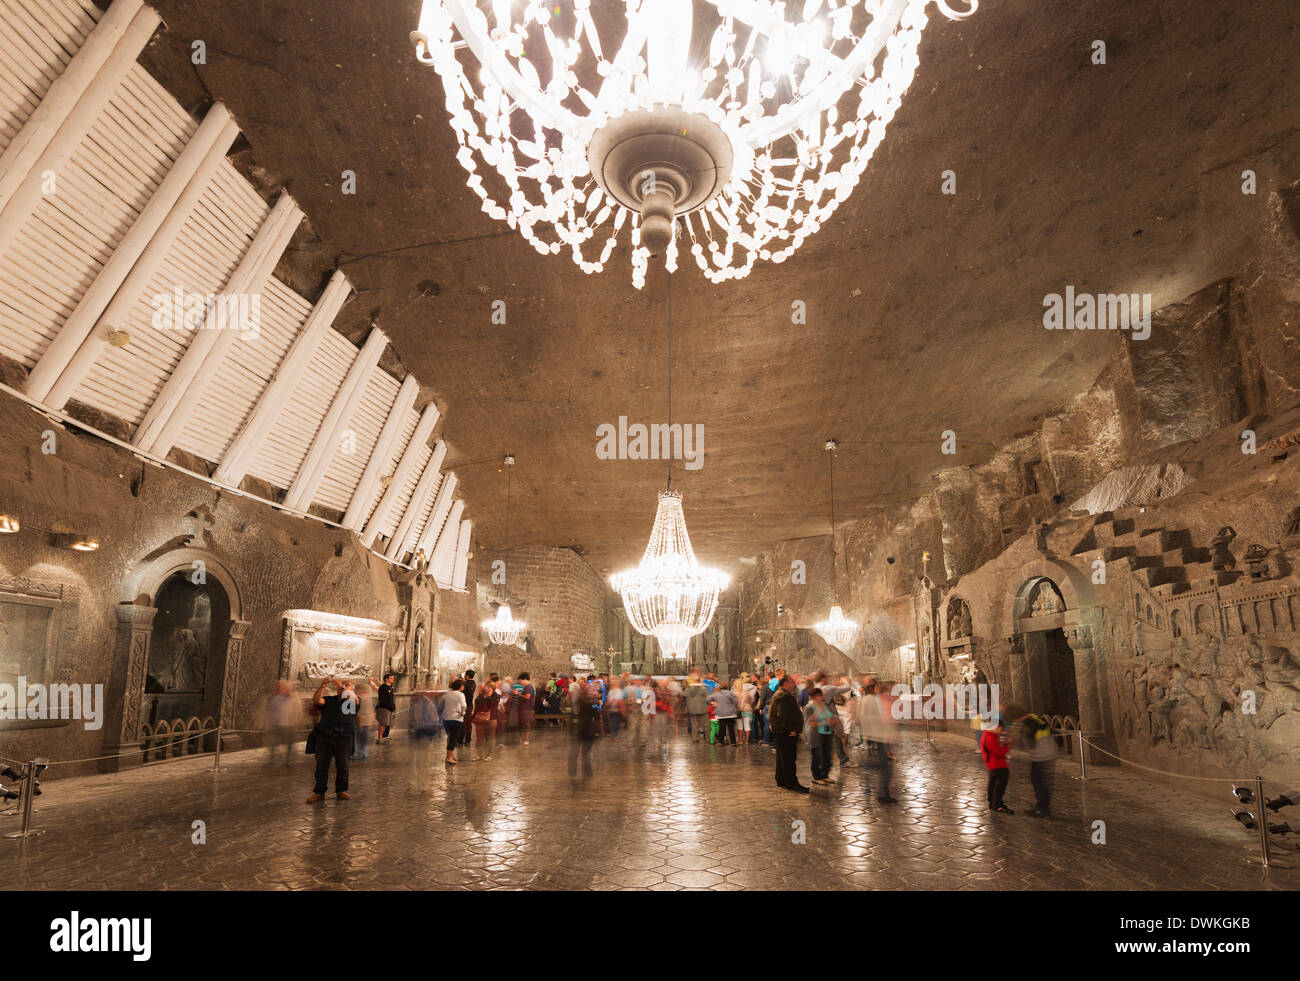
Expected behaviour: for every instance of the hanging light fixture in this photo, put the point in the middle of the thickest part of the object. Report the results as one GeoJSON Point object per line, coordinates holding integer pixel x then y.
{"type": "Point", "coordinates": [837, 630]}
{"type": "Point", "coordinates": [504, 628]}
{"type": "Point", "coordinates": [751, 148]}
{"type": "Point", "coordinates": [669, 595]}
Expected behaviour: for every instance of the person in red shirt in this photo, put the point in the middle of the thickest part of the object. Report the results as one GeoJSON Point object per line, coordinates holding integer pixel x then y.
{"type": "Point", "coordinates": [995, 744]}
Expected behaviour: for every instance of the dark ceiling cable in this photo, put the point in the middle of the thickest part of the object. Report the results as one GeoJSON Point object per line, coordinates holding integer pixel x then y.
{"type": "Point", "coordinates": [909, 442]}
{"type": "Point", "coordinates": [418, 245]}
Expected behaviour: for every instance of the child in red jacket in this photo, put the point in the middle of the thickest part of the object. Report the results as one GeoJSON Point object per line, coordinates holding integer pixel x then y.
{"type": "Point", "coordinates": [994, 747]}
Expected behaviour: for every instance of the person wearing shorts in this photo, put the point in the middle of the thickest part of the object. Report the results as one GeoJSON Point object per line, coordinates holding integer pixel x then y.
{"type": "Point", "coordinates": [746, 697]}
{"type": "Point", "coordinates": [385, 706]}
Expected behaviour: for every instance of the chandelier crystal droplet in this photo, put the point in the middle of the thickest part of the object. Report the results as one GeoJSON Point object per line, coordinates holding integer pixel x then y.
{"type": "Point", "coordinates": [670, 596]}
{"type": "Point", "coordinates": [579, 114]}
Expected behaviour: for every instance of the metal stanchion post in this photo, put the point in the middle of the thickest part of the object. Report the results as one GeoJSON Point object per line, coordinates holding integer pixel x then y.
{"type": "Point", "coordinates": [1262, 820]}
{"type": "Point", "coordinates": [216, 760]}
{"type": "Point", "coordinates": [1083, 769]}
{"type": "Point", "coordinates": [29, 792]}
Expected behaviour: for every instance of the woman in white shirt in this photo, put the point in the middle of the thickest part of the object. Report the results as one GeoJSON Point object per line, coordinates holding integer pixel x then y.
{"type": "Point", "coordinates": [453, 717]}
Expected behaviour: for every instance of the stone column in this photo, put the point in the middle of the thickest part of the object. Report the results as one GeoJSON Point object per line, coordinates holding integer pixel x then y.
{"type": "Point", "coordinates": [1090, 681]}
{"type": "Point", "coordinates": [125, 697]}
{"type": "Point", "coordinates": [230, 683]}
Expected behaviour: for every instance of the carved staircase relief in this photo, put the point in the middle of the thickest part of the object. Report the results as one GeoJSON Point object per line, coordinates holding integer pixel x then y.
{"type": "Point", "coordinates": [1212, 672]}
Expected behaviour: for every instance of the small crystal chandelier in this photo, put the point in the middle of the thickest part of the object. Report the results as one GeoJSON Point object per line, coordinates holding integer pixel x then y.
{"type": "Point", "coordinates": [504, 628]}
{"type": "Point", "coordinates": [750, 146]}
{"type": "Point", "coordinates": [837, 630]}
{"type": "Point", "coordinates": [670, 596]}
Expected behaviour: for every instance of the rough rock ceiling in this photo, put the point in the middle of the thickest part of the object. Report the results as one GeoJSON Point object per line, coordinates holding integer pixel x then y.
{"type": "Point", "coordinates": [924, 310]}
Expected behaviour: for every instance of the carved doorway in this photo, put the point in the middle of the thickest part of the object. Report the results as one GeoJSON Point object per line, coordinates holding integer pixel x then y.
{"type": "Point", "coordinates": [1044, 674]}
{"type": "Point", "coordinates": [1053, 688]}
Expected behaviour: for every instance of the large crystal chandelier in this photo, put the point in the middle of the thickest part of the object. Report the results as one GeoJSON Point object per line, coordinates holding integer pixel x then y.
{"type": "Point", "coordinates": [837, 630]}
{"type": "Point", "coordinates": [670, 595]}
{"type": "Point", "coordinates": [749, 125]}
{"type": "Point", "coordinates": [504, 628]}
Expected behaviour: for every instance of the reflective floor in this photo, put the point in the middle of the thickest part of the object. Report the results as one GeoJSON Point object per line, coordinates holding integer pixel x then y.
{"type": "Point", "coordinates": [691, 817]}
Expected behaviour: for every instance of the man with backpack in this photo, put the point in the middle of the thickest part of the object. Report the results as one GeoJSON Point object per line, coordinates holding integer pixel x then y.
{"type": "Point", "coordinates": [1037, 733]}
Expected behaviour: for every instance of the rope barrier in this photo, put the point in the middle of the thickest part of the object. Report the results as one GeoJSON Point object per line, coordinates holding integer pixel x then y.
{"type": "Point", "coordinates": [178, 738]}
{"type": "Point", "coordinates": [1167, 773]}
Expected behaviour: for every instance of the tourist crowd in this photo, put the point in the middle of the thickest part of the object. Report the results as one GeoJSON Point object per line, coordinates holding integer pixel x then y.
{"type": "Point", "coordinates": [475, 719]}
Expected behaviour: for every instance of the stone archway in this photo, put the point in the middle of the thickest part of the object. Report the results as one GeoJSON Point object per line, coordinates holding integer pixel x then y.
{"type": "Point", "coordinates": [1081, 622]}
{"type": "Point", "coordinates": [136, 613]}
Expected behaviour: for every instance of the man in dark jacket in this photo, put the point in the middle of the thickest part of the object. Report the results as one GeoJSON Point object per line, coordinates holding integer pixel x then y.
{"type": "Point", "coordinates": [786, 720]}
{"type": "Point", "coordinates": [765, 692]}
{"type": "Point", "coordinates": [334, 735]}
{"type": "Point", "coordinates": [469, 688]}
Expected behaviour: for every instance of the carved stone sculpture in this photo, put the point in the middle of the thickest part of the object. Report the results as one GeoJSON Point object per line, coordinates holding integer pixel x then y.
{"type": "Point", "coordinates": [1222, 559]}
{"type": "Point", "coordinates": [1046, 603]}
{"type": "Point", "coordinates": [1257, 563]}
{"type": "Point", "coordinates": [959, 624]}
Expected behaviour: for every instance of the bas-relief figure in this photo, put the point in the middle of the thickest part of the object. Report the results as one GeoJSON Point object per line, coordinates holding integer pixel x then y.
{"type": "Point", "coordinates": [1199, 699]}
{"type": "Point", "coordinates": [1222, 559]}
{"type": "Point", "coordinates": [184, 670]}
{"type": "Point", "coordinates": [1256, 559]}
{"type": "Point", "coordinates": [959, 622]}
{"type": "Point", "coordinates": [1046, 602]}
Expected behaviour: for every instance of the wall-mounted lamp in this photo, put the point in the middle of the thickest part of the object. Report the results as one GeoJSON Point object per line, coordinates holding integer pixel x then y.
{"type": "Point", "coordinates": [9, 524]}
{"type": "Point", "coordinates": [78, 543]}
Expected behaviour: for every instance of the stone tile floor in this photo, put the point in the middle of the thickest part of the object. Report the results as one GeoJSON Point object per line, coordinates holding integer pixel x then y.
{"type": "Point", "coordinates": [693, 817]}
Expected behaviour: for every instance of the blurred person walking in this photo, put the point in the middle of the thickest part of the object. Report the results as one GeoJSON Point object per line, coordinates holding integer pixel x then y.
{"type": "Point", "coordinates": [282, 717]}
{"type": "Point", "coordinates": [635, 712]}
{"type": "Point", "coordinates": [820, 722]}
{"type": "Point", "coordinates": [1037, 734]}
{"type": "Point", "coordinates": [876, 723]}
{"type": "Point", "coordinates": [614, 709]}
{"type": "Point", "coordinates": [486, 704]}
{"type": "Point", "coordinates": [365, 723]}
{"type": "Point", "coordinates": [697, 709]}
{"type": "Point", "coordinates": [586, 730]}
{"type": "Point", "coordinates": [505, 710]}
{"type": "Point", "coordinates": [526, 695]}
{"type": "Point", "coordinates": [425, 726]}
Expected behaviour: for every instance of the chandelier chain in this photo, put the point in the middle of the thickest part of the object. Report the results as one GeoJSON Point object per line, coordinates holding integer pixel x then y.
{"type": "Point", "coordinates": [835, 584]}
{"type": "Point", "coordinates": [670, 376]}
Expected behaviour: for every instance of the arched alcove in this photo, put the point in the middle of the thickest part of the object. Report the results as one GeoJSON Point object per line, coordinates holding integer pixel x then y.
{"type": "Point", "coordinates": [187, 601]}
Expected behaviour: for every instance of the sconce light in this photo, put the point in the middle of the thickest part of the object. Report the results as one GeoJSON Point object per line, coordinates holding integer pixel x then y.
{"type": "Point", "coordinates": [78, 543]}
{"type": "Point", "coordinates": [9, 524]}
{"type": "Point", "coordinates": [119, 338]}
